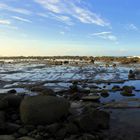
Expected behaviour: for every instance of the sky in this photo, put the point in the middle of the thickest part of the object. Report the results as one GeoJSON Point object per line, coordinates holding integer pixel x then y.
{"type": "Point", "coordinates": [69, 27]}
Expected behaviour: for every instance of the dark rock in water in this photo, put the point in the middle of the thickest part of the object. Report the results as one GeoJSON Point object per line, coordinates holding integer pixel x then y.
{"type": "Point", "coordinates": [7, 137]}
{"type": "Point", "coordinates": [124, 93]}
{"type": "Point", "coordinates": [74, 87]}
{"type": "Point", "coordinates": [116, 88]}
{"type": "Point", "coordinates": [43, 109]}
{"type": "Point", "coordinates": [94, 120]}
{"type": "Point", "coordinates": [13, 100]}
{"type": "Point", "coordinates": [12, 91]}
{"type": "Point", "coordinates": [131, 75]}
{"type": "Point", "coordinates": [128, 88]}
{"type": "Point", "coordinates": [127, 91]}
{"type": "Point", "coordinates": [104, 93]}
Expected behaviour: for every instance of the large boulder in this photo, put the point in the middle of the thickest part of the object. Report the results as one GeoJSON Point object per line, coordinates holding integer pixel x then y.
{"type": "Point", "coordinates": [43, 109]}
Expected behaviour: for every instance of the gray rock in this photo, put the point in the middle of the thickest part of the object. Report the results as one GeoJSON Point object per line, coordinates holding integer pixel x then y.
{"type": "Point", "coordinates": [3, 104]}
{"type": "Point", "coordinates": [93, 120]}
{"type": "Point", "coordinates": [25, 138]}
{"type": "Point", "coordinates": [22, 131]}
{"type": "Point", "coordinates": [92, 97]}
{"type": "Point", "coordinates": [43, 109]}
{"type": "Point", "coordinates": [71, 128]}
{"type": "Point", "coordinates": [11, 127]}
{"type": "Point", "coordinates": [6, 137]}
{"type": "Point", "coordinates": [53, 127]}
{"type": "Point", "coordinates": [2, 120]}
{"type": "Point", "coordinates": [13, 100]}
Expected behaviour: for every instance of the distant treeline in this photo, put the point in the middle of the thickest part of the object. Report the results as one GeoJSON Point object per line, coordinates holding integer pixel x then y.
{"type": "Point", "coordinates": [108, 59]}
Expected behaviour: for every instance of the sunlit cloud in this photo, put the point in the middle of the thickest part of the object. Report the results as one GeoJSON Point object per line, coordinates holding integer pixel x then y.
{"type": "Point", "coordinates": [5, 22]}
{"type": "Point", "coordinates": [6, 7]}
{"type": "Point", "coordinates": [21, 19]}
{"type": "Point", "coordinates": [63, 8]}
{"type": "Point", "coordinates": [106, 35]}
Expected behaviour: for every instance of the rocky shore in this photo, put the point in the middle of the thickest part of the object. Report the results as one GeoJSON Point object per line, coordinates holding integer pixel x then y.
{"type": "Point", "coordinates": [48, 117]}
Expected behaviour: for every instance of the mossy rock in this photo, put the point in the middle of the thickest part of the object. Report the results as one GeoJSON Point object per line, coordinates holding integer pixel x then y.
{"type": "Point", "coordinates": [124, 93]}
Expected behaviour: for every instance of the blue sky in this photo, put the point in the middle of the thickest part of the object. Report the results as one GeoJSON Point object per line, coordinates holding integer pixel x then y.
{"type": "Point", "coordinates": [70, 27]}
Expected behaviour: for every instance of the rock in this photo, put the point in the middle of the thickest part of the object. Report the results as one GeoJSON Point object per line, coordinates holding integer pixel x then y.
{"type": "Point", "coordinates": [104, 93]}
{"type": "Point", "coordinates": [76, 96]}
{"type": "Point", "coordinates": [22, 131]}
{"type": "Point", "coordinates": [3, 104]}
{"type": "Point", "coordinates": [43, 109]}
{"type": "Point", "coordinates": [74, 87]}
{"type": "Point", "coordinates": [11, 127]}
{"type": "Point", "coordinates": [6, 137]}
{"type": "Point", "coordinates": [71, 128]}
{"type": "Point", "coordinates": [40, 128]}
{"type": "Point", "coordinates": [123, 93]}
{"type": "Point", "coordinates": [127, 91]}
{"type": "Point", "coordinates": [93, 120]}
{"type": "Point", "coordinates": [12, 91]}
{"type": "Point", "coordinates": [93, 97]}
{"type": "Point", "coordinates": [116, 88]}
{"type": "Point", "coordinates": [43, 90]}
{"type": "Point", "coordinates": [29, 127]}
{"type": "Point", "coordinates": [131, 75]}
{"type": "Point", "coordinates": [60, 134]}
{"type": "Point", "coordinates": [53, 127]}
{"type": "Point", "coordinates": [87, 136]}
{"type": "Point", "coordinates": [25, 138]}
{"type": "Point", "coordinates": [2, 121]}
{"type": "Point", "coordinates": [13, 100]}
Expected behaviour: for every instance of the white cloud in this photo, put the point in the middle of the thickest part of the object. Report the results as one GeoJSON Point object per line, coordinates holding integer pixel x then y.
{"type": "Point", "coordinates": [21, 19]}
{"type": "Point", "coordinates": [62, 32]}
{"type": "Point", "coordinates": [131, 27]}
{"type": "Point", "coordinates": [4, 6]}
{"type": "Point", "coordinates": [106, 35]}
{"type": "Point", "coordinates": [72, 10]}
{"type": "Point", "coordinates": [5, 22]}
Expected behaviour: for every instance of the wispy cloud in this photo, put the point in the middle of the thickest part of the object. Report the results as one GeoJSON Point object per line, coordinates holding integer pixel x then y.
{"type": "Point", "coordinates": [131, 27]}
{"type": "Point", "coordinates": [4, 6]}
{"type": "Point", "coordinates": [21, 19]}
{"type": "Point", "coordinates": [106, 35]}
{"type": "Point", "coordinates": [5, 22]}
{"type": "Point", "coordinates": [72, 10]}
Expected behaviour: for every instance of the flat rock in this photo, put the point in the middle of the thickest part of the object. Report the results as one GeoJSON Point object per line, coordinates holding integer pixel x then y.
{"type": "Point", "coordinates": [6, 137]}
{"type": "Point", "coordinates": [95, 97]}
